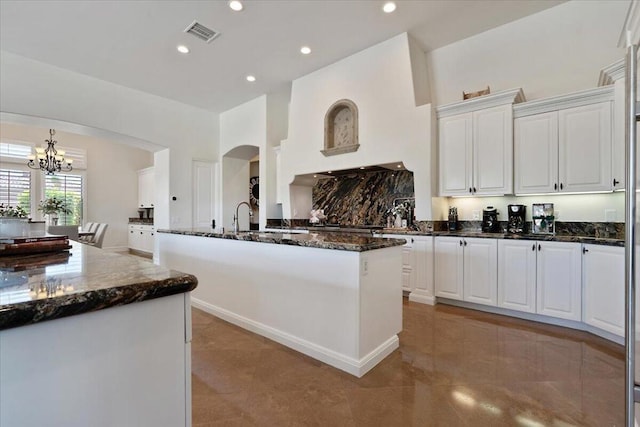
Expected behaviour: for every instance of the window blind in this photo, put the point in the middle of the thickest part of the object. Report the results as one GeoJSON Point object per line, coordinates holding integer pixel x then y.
{"type": "Point", "coordinates": [15, 188]}
{"type": "Point", "coordinates": [68, 188]}
{"type": "Point", "coordinates": [14, 152]}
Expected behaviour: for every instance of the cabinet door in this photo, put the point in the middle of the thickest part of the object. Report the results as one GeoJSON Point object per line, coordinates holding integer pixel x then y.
{"type": "Point", "coordinates": [493, 151]}
{"type": "Point", "coordinates": [536, 153]}
{"type": "Point", "coordinates": [558, 280]}
{"type": "Point", "coordinates": [585, 142]}
{"type": "Point", "coordinates": [135, 237]}
{"type": "Point", "coordinates": [449, 267]}
{"type": "Point", "coordinates": [618, 146]}
{"type": "Point", "coordinates": [147, 237]}
{"type": "Point", "coordinates": [455, 133]}
{"type": "Point", "coordinates": [422, 290]}
{"type": "Point", "coordinates": [517, 275]}
{"type": "Point", "coordinates": [146, 189]}
{"type": "Point", "coordinates": [481, 271]}
{"type": "Point", "coordinates": [604, 293]}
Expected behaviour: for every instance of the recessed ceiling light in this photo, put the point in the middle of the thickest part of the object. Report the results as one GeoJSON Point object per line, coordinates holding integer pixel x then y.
{"type": "Point", "coordinates": [329, 172]}
{"type": "Point", "coordinates": [389, 7]}
{"type": "Point", "coordinates": [361, 167]}
{"type": "Point", "coordinates": [305, 50]}
{"type": "Point", "coordinates": [236, 5]}
{"type": "Point", "coordinates": [251, 78]}
{"type": "Point", "coordinates": [315, 176]}
{"type": "Point", "coordinates": [183, 49]}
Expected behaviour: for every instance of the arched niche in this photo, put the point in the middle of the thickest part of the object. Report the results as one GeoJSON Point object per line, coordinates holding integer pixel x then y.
{"type": "Point", "coordinates": [341, 128]}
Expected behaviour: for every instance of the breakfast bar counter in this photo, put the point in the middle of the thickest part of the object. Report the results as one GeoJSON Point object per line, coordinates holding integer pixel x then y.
{"type": "Point", "coordinates": [332, 296]}
{"type": "Point", "coordinates": [86, 331]}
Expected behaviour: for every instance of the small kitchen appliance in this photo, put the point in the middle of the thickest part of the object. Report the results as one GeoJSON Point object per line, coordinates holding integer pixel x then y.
{"type": "Point", "coordinates": [490, 222]}
{"type": "Point", "coordinates": [516, 222]}
{"type": "Point", "coordinates": [543, 218]}
{"type": "Point", "coordinates": [453, 218]}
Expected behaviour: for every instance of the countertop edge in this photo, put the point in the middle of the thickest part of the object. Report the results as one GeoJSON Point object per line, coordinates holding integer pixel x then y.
{"type": "Point", "coordinates": [32, 312]}
{"type": "Point", "coordinates": [335, 242]}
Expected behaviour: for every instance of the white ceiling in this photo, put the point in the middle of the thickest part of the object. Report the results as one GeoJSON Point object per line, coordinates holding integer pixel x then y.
{"type": "Point", "coordinates": [133, 43]}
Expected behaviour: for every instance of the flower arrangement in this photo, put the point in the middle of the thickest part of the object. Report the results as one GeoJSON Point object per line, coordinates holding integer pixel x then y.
{"type": "Point", "coordinates": [53, 205]}
{"type": "Point", "coordinates": [8, 211]}
{"type": "Point", "coordinates": [400, 210]}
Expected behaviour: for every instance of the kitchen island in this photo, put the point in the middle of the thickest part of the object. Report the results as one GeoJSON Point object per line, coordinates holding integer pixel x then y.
{"type": "Point", "coordinates": [94, 338]}
{"type": "Point", "coordinates": [334, 297]}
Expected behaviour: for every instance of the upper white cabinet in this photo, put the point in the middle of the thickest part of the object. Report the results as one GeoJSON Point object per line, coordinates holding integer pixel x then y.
{"type": "Point", "coordinates": [475, 140]}
{"type": "Point", "coordinates": [466, 269]}
{"type": "Point", "coordinates": [603, 283]}
{"type": "Point", "coordinates": [146, 187]}
{"type": "Point", "coordinates": [564, 144]}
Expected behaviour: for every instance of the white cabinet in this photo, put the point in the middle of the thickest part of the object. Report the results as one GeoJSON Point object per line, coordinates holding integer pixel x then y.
{"type": "Point", "coordinates": [142, 237]}
{"type": "Point", "coordinates": [558, 280]}
{"type": "Point", "coordinates": [517, 275]}
{"type": "Point", "coordinates": [466, 269]}
{"type": "Point", "coordinates": [603, 287]}
{"type": "Point", "coordinates": [449, 267]}
{"type": "Point", "coordinates": [146, 188]}
{"type": "Point", "coordinates": [564, 144]}
{"type": "Point", "coordinates": [475, 140]}
{"type": "Point", "coordinates": [408, 261]}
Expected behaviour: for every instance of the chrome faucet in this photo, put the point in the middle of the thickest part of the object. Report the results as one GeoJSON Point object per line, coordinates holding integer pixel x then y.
{"type": "Point", "coordinates": [235, 217]}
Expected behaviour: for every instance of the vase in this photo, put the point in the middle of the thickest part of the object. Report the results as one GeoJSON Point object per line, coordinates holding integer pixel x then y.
{"type": "Point", "coordinates": [398, 222]}
{"type": "Point", "coordinates": [52, 218]}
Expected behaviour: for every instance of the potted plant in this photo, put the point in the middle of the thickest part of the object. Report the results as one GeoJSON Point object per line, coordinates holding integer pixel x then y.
{"type": "Point", "coordinates": [13, 221]}
{"type": "Point", "coordinates": [52, 207]}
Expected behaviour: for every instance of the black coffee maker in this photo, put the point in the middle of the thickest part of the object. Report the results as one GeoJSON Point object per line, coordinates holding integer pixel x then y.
{"type": "Point", "coordinates": [490, 222]}
{"type": "Point", "coordinates": [516, 222]}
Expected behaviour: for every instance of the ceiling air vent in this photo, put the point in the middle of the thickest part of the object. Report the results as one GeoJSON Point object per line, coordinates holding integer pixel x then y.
{"type": "Point", "coordinates": [201, 32]}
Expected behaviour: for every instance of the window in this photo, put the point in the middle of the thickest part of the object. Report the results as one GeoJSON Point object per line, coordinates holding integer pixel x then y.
{"type": "Point", "coordinates": [15, 188]}
{"type": "Point", "coordinates": [68, 188]}
{"type": "Point", "coordinates": [14, 152]}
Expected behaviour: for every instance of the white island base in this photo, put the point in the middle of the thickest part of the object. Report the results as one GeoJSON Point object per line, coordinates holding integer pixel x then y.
{"type": "Point", "coordinates": [341, 307]}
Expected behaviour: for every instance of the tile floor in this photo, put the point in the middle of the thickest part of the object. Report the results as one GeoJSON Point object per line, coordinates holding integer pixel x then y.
{"type": "Point", "coordinates": [454, 367]}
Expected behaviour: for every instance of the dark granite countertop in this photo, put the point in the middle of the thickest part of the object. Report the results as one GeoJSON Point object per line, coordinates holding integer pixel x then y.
{"type": "Point", "coordinates": [336, 241]}
{"type": "Point", "coordinates": [480, 234]}
{"type": "Point", "coordinates": [43, 287]}
{"type": "Point", "coordinates": [141, 221]}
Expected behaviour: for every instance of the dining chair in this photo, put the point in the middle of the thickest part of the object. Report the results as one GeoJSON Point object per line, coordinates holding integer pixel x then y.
{"type": "Point", "coordinates": [98, 237]}
{"type": "Point", "coordinates": [71, 231]}
{"type": "Point", "coordinates": [89, 227]}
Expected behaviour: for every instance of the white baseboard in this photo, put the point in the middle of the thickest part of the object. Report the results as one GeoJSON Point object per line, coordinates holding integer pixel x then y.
{"type": "Point", "coordinates": [345, 363]}
{"type": "Point", "coordinates": [116, 249]}
{"type": "Point", "coordinates": [422, 299]}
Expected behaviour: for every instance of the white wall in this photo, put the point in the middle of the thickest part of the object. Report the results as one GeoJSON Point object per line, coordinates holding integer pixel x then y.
{"type": "Point", "coordinates": [559, 50]}
{"type": "Point", "coordinates": [391, 127]}
{"type": "Point", "coordinates": [111, 177]}
{"type": "Point", "coordinates": [36, 89]}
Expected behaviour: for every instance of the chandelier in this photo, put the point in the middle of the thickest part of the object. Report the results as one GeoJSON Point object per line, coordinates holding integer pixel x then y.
{"type": "Point", "coordinates": [50, 160]}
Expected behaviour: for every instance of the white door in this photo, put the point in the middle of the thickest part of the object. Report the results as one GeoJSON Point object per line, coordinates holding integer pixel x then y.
{"type": "Point", "coordinates": [604, 294]}
{"type": "Point", "coordinates": [517, 275]}
{"type": "Point", "coordinates": [481, 271]}
{"type": "Point", "coordinates": [449, 267]}
{"type": "Point", "coordinates": [422, 290]}
{"type": "Point", "coordinates": [146, 187]}
{"type": "Point", "coordinates": [454, 139]}
{"type": "Point", "coordinates": [536, 153]}
{"type": "Point", "coordinates": [585, 142]}
{"type": "Point", "coordinates": [493, 151]}
{"type": "Point", "coordinates": [203, 193]}
{"type": "Point", "coordinates": [559, 270]}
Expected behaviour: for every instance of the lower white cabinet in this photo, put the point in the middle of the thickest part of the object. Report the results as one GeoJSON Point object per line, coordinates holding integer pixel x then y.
{"type": "Point", "coordinates": [603, 287]}
{"type": "Point", "coordinates": [141, 237]}
{"type": "Point", "coordinates": [417, 267]}
{"type": "Point", "coordinates": [466, 269]}
{"type": "Point", "coordinates": [559, 280]}
{"type": "Point", "coordinates": [517, 275]}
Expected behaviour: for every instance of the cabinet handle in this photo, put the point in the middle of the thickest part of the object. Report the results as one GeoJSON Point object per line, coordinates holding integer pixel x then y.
{"type": "Point", "coordinates": [533, 248]}
{"type": "Point", "coordinates": [460, 242]}
{"type": "Point", "coordinates": [152, 234]}
{"type": "Point", "coordinates": [141, 232]}
{"type": "Point", "coordinates": [561, 186]}
{"type": "Point", "coordinates": [585, 250]}
{"type": "Point", "coordinates": [412, 240]}
{"type": "Point", "coordinates": [539, 247]}
{"type": "Point", "coordinates": [615, 182]}
{"type": "Point", "coordinates": [474, 189]}
{"type": "Point", "coordinates": [470, 191]}
{"type": "Point", "coordinates": [465, 243]}
{"type": "Point", "coordinates": [555, 186]}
